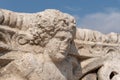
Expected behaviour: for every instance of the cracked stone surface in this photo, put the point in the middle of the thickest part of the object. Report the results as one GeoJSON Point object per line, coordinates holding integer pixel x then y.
{"type": "Point", "coordinates": [47, 46]}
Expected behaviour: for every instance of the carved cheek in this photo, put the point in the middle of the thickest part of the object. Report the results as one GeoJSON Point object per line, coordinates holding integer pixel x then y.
{"type": "Point", "coordinates": [53, 45]}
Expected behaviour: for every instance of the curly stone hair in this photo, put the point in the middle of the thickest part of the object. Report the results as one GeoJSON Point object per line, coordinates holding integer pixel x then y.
{"type": "Point", "coordinates": [42, 25]}
{"type": "Point", "coordinates": [48, 23]}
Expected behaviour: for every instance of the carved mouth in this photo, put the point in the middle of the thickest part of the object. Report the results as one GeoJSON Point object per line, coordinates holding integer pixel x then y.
{"type": "Point", "coordinates": [62, 52]}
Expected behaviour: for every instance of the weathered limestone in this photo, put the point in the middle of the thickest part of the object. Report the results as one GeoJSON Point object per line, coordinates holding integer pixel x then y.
{"type": "Point", "coordinates": [47, 46]}
{"type": "Point", "coordinates": [99, 54]}
{"type": "Point", "coordinates": [38, 46]}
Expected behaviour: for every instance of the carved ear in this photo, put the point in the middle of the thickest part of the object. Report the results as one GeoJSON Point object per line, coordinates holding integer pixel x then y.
{"type": "Point", "coordinates": [6, 37]}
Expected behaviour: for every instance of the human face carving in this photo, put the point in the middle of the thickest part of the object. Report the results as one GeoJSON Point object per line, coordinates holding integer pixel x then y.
{"type": "Point", "coordinates": [58, 47]}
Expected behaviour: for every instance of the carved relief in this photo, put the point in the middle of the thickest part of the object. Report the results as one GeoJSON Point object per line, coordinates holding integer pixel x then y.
{"type": "Point", "coordinates": [47, 46]}
{"type": "Point", "coordinates": [39, 46]}
{"type": "Point", "coordinates": [99, 55]}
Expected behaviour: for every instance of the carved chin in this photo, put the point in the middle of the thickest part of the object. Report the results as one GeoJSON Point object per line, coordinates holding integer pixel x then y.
{"type": "Point", "coordinates": [58, 57]}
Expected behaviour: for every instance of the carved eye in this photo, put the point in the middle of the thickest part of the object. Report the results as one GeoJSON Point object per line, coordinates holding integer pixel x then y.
{"type": "Point", "coordinates": [62, 38]}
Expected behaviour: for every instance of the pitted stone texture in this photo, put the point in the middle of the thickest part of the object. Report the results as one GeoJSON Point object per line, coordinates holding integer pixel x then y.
{"type": "Point", "coordinates": [99, 54]}
{"type": "Point", "coordinates": [47, 46]}
{"type": "Point", "coordinates": [38, 46]}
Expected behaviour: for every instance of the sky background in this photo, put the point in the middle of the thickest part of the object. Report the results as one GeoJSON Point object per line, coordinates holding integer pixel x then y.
{"type": "Point", "coordinates": [100, 15]}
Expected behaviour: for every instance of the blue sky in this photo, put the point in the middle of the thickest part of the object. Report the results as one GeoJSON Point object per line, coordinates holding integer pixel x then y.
{"type": "Point", "coordinates": [101, 15]}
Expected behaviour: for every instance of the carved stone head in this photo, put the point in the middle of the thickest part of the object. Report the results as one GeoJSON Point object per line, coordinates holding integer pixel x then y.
{"type": "Point", "coordinates": [32, 37]}
{"type": "Point", "coordinates": [50, 31]}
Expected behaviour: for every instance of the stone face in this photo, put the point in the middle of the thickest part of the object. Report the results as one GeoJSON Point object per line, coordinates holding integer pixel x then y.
{"type": "Point", "coordinates": [48, 46]}
{"type": "Point", "coordinates": [37, 46]}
